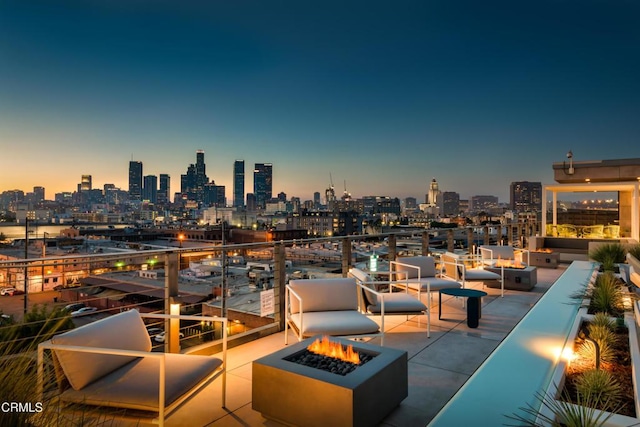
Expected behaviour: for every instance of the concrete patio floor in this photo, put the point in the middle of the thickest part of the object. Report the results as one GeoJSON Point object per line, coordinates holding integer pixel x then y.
{"type": "Point", "coordinates": [437, 367]}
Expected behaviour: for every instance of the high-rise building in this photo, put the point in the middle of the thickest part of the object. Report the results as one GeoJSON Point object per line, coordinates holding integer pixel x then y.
{"type": "Point", "coordinates": [164, 190]}
{"type": "Point", "coordinates": [38, 193]}
{"type": "Point", "coordinates": [316, 200]}
{"type": "Point", "coordinates": [410, 203]}
{"type": "Point", "coordinates": [262, 183]}
{"type": "Point", "coordinates": [150, 189]}
{"type": "Point", "coordinates": [238, 184]}
{"type": "Point", "coordinates": [450, 203]}
{"type": "Point", "coordinates": [85, 184]}
{"type": "Point", "coordinates": [201, 170]}
{"type": "Point", "coordinates": [135, 180]}
{"type": "Point", "coordinates": [214, 195]}
{"type": "Point", "coordinates": [483, 203]}
{"type": "Point", "coordinates": [193, 182]}
{"type": "Point", "coordinates": [526, 196]}
{"type": "Point", "coordinates": [330, 196]}
{"type": "Point", "coordinates": [251, 202]}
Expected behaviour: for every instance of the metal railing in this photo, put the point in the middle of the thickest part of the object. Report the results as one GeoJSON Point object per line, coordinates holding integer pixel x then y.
{"type": "Point", "coordinates": [243, 282]}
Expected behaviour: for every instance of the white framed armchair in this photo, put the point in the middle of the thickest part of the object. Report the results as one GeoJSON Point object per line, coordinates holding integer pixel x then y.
{"type": "Point", "coordinates": [456, 267]}
{"type": "Point", "coordinates": [419, 274]}
{"type": "Point", "coordinates": [374, 302]}
{"type": "Point", "coordinates": [108, 364]}
{"type": "Point", "coordinates": [326, 307]}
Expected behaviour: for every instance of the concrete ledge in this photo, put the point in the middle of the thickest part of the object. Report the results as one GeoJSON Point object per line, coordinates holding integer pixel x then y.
{"type": "Point", "coordinates": [523, 364]}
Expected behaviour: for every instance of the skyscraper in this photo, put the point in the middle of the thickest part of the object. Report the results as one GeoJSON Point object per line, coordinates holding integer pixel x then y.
{"type": "Point", "coordinates": [135, 180]}
{"type": "Point", "coordinates": [526, 196]}
{"type": "Point", "coordinates": [85, 184]}
{"type": "Point", "coordinates": [262, 183]}
{"type": "Point", "coordinates": [150, 190]}
{"type": "Point", "coordinates": [38, 193]}
{"type": "Point", "coordinates": [192, 184]}
{"type": "Point", "coordinates": [165, 188]}
{"type": "Point", "coordinates": [238, 184]}
{"type": "Point", "coordinates": [450, 203]}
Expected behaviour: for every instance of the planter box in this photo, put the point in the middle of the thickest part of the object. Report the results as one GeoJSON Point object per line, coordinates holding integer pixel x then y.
{"type": "Point", "coordinates": [558, 377]}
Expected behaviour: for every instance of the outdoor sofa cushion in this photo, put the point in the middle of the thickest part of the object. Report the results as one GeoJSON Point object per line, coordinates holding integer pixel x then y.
{"type": "Point", "coordinates": [123, 331]}
{"type": "Point", "coordinates": [324, 294]}
{"type": "Point", "coordinates": [341, 322]}
{"type": "Point", "coordinates": [426, 263]}
{"type": "Point", "coordinates": [135, 385]}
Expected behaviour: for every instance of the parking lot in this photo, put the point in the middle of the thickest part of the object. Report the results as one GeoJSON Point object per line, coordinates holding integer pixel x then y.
{"type": "Point", "coordinates": [14, 305]}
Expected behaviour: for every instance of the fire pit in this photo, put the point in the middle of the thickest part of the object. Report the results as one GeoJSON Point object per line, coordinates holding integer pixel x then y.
{"type": "Point", "coordinates": [300, 387]}
{"type": "Point", "coordinates": [516, 278]}
{"type": "Point", "coordinates": [544, 258]}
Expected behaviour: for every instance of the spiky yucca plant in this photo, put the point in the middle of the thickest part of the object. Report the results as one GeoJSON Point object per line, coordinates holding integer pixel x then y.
{"type": "Point", "coordinates": [604, 320]}
{"type": "Point", "coordinates": [609, 255]}
{"type": "Point", "coordinates": [598, 382]}
{"type": "Point", "coordinates": [607, 294]}
{"type": "Point", "coordinates": [635, 251]}
{"type": "Point", "coordinates": [564, 413]}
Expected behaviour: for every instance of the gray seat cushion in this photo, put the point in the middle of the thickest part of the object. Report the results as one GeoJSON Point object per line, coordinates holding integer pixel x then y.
{"type": "Point", "coordinates": [480, 274]}
{"type": "Point", "coordinates": [435, 283]}
{"type": "Point", "coordinates": [136, 384]}
{"type": "Point", "coordinates": [397, 302]}
{"type": "Point", "coordinates": [123, 331]}
{"type": "Point", "coordinates": [343, 322]}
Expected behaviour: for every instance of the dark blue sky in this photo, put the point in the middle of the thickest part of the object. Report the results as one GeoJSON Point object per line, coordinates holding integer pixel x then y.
{"type": "Point", "coordinates": [382, 95]}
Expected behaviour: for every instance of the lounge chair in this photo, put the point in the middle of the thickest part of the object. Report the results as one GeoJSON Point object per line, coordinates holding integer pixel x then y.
{"type": "Point", "coordinates": [387, 303]}
{"type": "Point", "coordinates": [108, 364]}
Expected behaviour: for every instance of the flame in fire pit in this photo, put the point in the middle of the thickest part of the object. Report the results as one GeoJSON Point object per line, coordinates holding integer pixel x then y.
{"type": "Point", "coordinates": [509, 263]}
{"type": "Point", "coordinates": [326, 347]}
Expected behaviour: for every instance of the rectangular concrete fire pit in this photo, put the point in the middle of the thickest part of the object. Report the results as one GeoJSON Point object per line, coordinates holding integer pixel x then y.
{"type": "Point", "coordinates": [300, 395]}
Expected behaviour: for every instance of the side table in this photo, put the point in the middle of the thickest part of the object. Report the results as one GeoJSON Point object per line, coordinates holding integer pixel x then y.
{"type": "Point", "coordinates": [474, 306]}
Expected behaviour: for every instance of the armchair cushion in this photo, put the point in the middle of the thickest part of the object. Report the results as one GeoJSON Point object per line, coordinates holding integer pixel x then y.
{"type": "Point", "coordinates": [324, 294]}
{"type": "Point", "coordinates": [426, 263]}
{"type": "Point", "coordinates": [434, 284]}
{"type": "Point", "coordinates": [397, 302]}
{"type": "Point", "coordinates": [365, 279]}
{"type": "Point", "coordinates": [123, 331]}
{"type": "Point", "coordinates": [343, 322]}
{"type": "Point", "coordinates": [140, 390]}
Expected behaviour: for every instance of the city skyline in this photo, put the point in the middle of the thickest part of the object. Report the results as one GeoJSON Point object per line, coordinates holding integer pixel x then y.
{"type": "Point", "coordinates": [383, 97]}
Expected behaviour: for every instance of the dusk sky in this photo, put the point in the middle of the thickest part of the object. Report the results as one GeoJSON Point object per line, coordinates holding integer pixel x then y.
{"type": "Point", "coordinates": [382, 95]}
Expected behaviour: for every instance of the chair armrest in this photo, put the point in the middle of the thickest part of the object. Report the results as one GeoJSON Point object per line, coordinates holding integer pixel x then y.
{"type": "Point", "coordinates": [379, 295]}
{"type": "Point", "coordinates": [395, 272]}
{"type": "Point", "coordinates": [523, 252]}
{"type": "Point", "coordinates": [484, 250]}
{"type": "Point", "coordinates": [287, 304]}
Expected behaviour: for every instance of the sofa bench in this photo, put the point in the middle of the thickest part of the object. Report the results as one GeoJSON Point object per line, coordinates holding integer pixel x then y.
{"type": "Point", "coordinates": [109, 364]}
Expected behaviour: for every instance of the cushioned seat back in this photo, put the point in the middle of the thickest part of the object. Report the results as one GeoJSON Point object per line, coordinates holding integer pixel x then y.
{"type": "Point", "coordinates": [324, 294]}
{"type": "Point", "coordinates": [451, 269]}
{"type": "Point", "coordinates": [426, 263]}
{"type": "Point", "coordinates": [364, 278]}
{"type": "Point", "coordinates": [123, 331]}
{"type": "Point", "coordinates": [502, 252]}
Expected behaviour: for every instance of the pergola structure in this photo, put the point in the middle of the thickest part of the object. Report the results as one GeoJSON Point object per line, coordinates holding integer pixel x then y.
{"type": "Point", "coordinates": [619, 176]}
